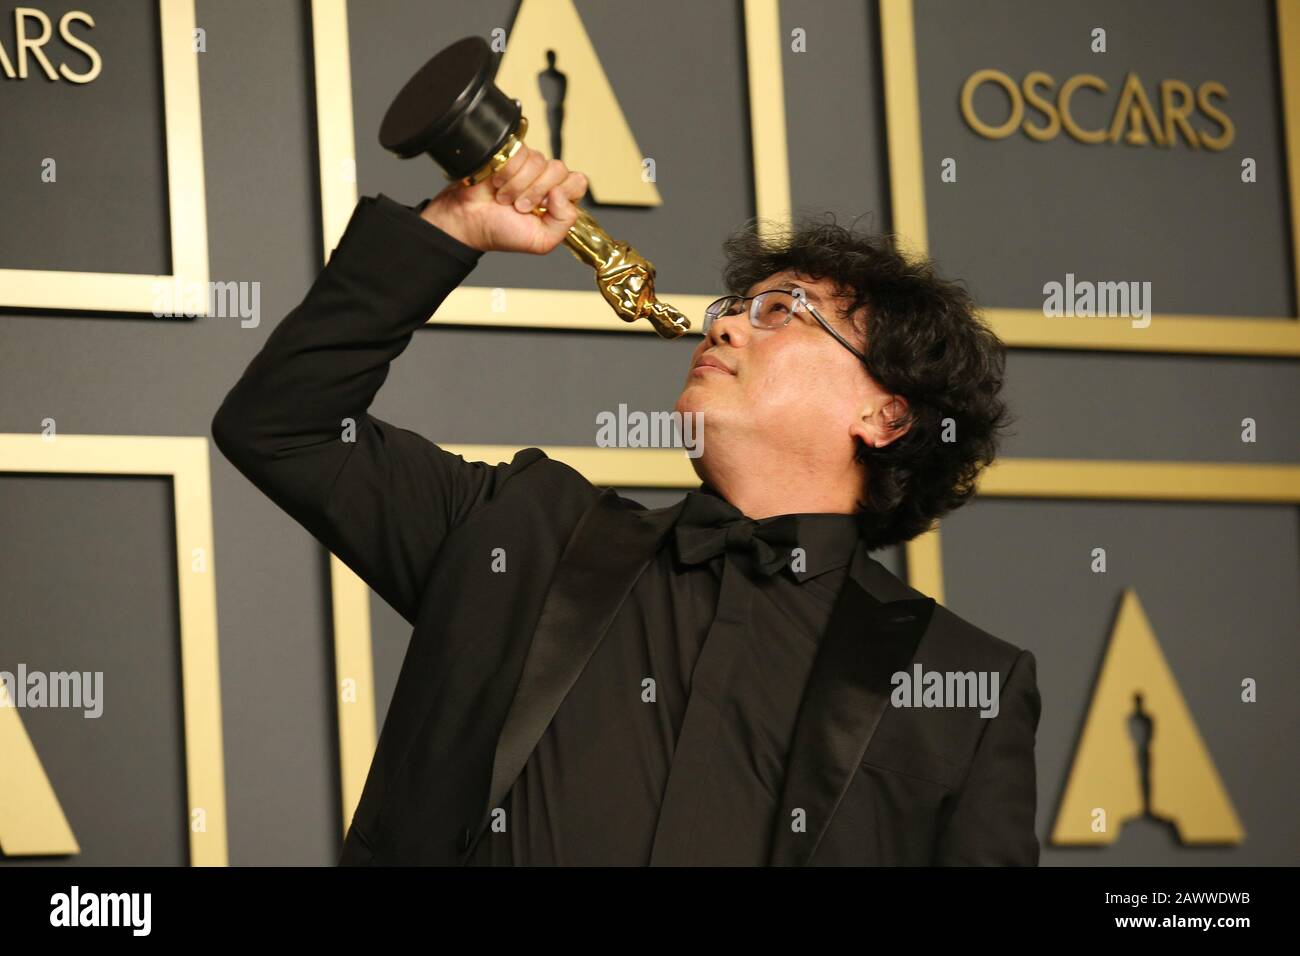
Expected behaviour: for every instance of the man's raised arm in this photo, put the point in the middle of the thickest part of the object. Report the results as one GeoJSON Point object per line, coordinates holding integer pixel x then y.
{"type": "Point", "coordinates": [297, 423]}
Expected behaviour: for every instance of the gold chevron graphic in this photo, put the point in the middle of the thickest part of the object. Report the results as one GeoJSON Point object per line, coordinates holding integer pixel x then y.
{"type": "Point", "coordinates": [1165, 775]}
{"type": "Point", "coordinates": [596, 135]}
{"type": "Point", "coordinates": [32, 822]}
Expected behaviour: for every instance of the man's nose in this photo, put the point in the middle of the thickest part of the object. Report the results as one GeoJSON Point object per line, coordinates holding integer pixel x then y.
{"type": "Point", "coordinates": [732, 329]}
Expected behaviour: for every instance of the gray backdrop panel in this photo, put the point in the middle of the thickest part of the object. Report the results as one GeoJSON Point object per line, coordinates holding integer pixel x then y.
{"type": "Point", "coordinates": [1023, 213]}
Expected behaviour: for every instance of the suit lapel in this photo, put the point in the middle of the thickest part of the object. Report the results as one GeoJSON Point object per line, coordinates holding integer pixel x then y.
{"type": "Point", "coordinates": [875, 626]}
{"type": "Point", "coordinates": [606, 554]}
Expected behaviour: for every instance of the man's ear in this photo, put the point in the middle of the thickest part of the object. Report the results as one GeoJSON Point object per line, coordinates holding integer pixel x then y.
{"type": "Point", "coordinates": [874, 425]}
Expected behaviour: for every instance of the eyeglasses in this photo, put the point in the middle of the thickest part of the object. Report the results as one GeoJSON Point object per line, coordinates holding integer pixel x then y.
{"type": "Point", "coordinates": [772, 309]}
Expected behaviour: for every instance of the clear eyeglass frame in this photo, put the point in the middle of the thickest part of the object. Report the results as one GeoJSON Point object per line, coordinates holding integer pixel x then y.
{"type": "Point", "coordinates": [763, 312]}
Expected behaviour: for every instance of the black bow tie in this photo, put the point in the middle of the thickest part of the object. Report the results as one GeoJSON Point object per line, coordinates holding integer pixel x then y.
{"type": "Point", "coordinates": [708, 525]}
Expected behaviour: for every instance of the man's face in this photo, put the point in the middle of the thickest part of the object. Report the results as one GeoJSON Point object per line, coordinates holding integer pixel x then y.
{"type": "Point", "coordinates": [794, 388]}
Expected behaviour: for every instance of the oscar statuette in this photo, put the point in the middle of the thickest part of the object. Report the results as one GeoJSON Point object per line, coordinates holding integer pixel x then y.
{"type": "Point", "coordinates": [452, 110]}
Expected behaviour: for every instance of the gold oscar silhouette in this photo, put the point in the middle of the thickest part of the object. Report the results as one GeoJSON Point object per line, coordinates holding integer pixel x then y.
{"type": "Point", "coordinates": [1127, 777]}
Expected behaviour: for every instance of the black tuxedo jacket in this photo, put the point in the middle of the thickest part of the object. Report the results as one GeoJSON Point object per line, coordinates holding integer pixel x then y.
{"type": "Point", "coordinates": [492, 655]}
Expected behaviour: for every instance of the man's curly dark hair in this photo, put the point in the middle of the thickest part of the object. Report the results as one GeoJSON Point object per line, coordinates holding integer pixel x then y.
{"type": "Point", "coordinates": [924, 341]}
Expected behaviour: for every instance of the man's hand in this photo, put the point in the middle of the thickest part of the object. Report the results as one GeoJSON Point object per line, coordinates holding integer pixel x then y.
{"type": "Point", "coordinates": [496, 214]}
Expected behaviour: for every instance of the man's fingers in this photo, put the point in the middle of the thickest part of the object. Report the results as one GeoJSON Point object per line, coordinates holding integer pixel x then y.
{"type": "Point", "coordinates": [561, 204]}
{"type": "Point", "coordinates": [503, 175]}
{"type": "Point", "coordinates": [560, 211]}
{"type": "Point", "coordinates": [552, 175]}
{"type": "Point", "coordinates": [572, 189]}
{"type": "Point", "coordinates": [533, 165]}
{"type": "Point", "coordinates": [575, 186]}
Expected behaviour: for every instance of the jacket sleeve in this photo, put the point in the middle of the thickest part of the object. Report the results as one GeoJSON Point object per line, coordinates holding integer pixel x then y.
{"type": "Point", "coordinates": [992, 820]}
{"type": "Point", "coordinates": [297, 423]}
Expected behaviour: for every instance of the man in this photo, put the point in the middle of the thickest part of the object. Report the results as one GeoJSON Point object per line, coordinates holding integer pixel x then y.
{"type": "Point", "coordinates": [716, 682]}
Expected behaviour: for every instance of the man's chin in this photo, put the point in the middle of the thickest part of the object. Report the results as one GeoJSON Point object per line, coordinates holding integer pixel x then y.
{"type": "Point", "coordinates": [692, 399]}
